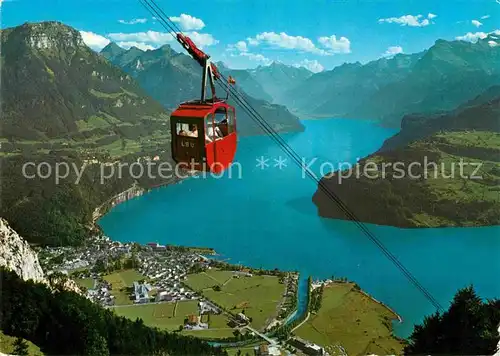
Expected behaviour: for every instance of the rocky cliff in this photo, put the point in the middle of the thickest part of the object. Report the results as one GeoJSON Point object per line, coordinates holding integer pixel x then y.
{"type": "Point", "coordinates": [16, 254]}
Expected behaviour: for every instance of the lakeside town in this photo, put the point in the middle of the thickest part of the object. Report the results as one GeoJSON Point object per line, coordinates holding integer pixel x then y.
{"type": "Point", "coordinates": [187, 290]}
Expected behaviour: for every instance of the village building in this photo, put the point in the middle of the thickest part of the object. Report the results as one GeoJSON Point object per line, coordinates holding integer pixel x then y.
{"type": "Point", "coordinates": [141, 292]}
{"type": "Point", "coordinates": [243, 318]}
{"type": "Point", "coordinates": [193, 323]}
{"type": "Point", "coordinates": [267, 350]}
{"type": "Point", "coordinates": [307, 347]}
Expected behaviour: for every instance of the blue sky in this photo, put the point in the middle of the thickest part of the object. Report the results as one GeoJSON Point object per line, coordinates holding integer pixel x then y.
{"type": "Point", "coordinates": [245, 33]}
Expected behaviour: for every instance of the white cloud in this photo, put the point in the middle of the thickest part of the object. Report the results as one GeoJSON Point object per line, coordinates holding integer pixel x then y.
{"type": "Point", "coordinates": [493, 43]}
{"type": "Point", "coordinates": [312, 65]}
{"type": "Point", "coordinates": [410, 20]}
{"type": "Point", "coordinates": [148, 37]}
{"type": "Point", "coordinates": [341, 45]}
{"type": "Point", "coordinates": [474, 37]}
{"type": "Point", "coordinates": [330, 44]}
{"type": "Point", "coordinates": [393, 50]}
{"type": "Point", "coordinates": [188, 22]}
{"type": "Point", "coordinates": [140, 45]}
{"type": "Point", "coordinates": [256, 57]}
{"type": "Point", "coordinates": [156, 39]}
{"type": "Point", "coordinates": [476, 23]}
{"type": "Point", "coordinates": [485, 17]}
{"type": "Point", "coordinates": [252, 41]}
{"type": "Point", "coordinates": [202, 39]}
{"type": "Point", "coordinates": [133, 21]}
{"type": "Point", "coordinates": [283, 40]}
{"type": "Point", "coordinates": [94, 41]}
{"type": "Point", "coordinates": [241, 46]}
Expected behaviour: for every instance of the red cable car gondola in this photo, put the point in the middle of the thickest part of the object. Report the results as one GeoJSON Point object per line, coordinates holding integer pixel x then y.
{"type": "Point", "coordinates": [203, 131]}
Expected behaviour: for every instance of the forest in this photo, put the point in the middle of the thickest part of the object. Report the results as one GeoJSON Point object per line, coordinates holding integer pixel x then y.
{"type": "Point", "coordinates": [468, 327]}
{"type": "Point", "coordinates": [66, 323]}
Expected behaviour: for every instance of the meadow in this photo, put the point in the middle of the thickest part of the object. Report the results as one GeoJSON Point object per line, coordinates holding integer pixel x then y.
{"type": "Point", "coordinates": [7, 343]}
{"type": "Point", "coordinates": [208, 279]}
{"type": "Point", "coordinates": [346, 314]}
{"type": "Point", "coordinates": [120, 282]}
{"type": "Point", "coordinates": [167, 316]}
{"type": "Point", "coordinates": [256, 296]}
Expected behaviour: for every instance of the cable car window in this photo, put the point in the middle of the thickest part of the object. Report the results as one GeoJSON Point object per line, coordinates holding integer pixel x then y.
{"type": "Point", "coordinates": [212, 130]}
{"type": "Point", "coordinates": [224, 121]}
{"type": "Point", "coordinates": [184, 129]}
{"type": "Point", "coordinates": [231, 127]}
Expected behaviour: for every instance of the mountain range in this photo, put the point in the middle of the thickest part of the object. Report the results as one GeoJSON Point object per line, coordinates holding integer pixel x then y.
{"type": "Point", "coordinates": [63, 104]}
{"type": "Point", "coordinates": [171, 77]}
{"type": "Point", "coordinates": [56, 88]}
{"type": "Point", "coordinates": [440, 78]}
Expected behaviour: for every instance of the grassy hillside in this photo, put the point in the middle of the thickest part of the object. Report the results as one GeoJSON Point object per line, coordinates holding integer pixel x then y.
{"type": "Point", "coordinates": [350, 319]}
{"type": "Point", "coordinates": [7, 345]}
{"type": "Point", "coordinates": [416, 179]}
{"type": "Point", "coordinates": [62, 104]}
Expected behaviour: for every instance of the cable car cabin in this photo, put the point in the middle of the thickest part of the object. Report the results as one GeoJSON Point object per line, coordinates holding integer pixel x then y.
{"type": "Point", "coordinates": [204, 135]}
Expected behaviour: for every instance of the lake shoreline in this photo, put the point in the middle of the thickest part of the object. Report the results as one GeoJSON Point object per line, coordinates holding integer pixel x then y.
{"type": "Point", "coordinates": [328, 282]}
{"type": "Point", "coordinates": [252, 231]}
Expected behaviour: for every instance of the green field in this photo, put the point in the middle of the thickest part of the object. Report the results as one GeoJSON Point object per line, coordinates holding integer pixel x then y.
{"type": "Point", "coordinates": [210, 333]}
{"type": "Point", "coordinates": [120, 281]}
{"type": "Point", "coordinates": [351, 319]}
{"type": "Point", "coordinates": [7, 345]}
{"type": "Point", "coordinates": [485, 139]}
{"type": "Point", "coordinates": [208, 279]}
{"type": "Point", "coordinates": [218, 321]}
{"type": "Point", "coordinates": [258, 296]}
{"type": "Point", "coordinates": [87, 283]}
{"type": "Point", "coordinates": [160, 315]}
{"type": "Point", "coordinates": [92, 122]}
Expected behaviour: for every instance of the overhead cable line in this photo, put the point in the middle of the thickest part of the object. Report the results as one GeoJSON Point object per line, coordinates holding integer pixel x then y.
{"type": "Point", "coordinates": [173, 29]}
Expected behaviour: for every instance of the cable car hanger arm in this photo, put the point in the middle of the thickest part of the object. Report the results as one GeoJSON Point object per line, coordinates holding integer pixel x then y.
{"type": "Point", "coordinates": [203, 60]}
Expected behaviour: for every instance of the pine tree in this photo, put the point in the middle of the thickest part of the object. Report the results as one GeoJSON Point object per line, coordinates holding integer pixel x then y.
{"type": "Point", "coordinates": [468, 327]}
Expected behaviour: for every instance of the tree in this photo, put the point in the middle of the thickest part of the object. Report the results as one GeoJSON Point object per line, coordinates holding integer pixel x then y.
{"type": "Point", "coordinates": [20, 347]}
{"type": "Point", "coordinates": [468, 327]}
{"type": "Point", "coordinates": [96, 345]}
{"type": "Point", "coordinates": [100, 266]}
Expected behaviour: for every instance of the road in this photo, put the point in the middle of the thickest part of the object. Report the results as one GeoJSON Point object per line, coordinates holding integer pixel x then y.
{"type": "Point", "coordinates": [268, 339]}
{"type": "Point", "coordinates": [138, 304]}
{"type": "Point", "coordinates": [303, 321]}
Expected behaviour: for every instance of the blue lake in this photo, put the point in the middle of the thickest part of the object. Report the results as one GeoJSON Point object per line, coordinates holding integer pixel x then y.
{"type": "Point", "coordinates": [264, 217]}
